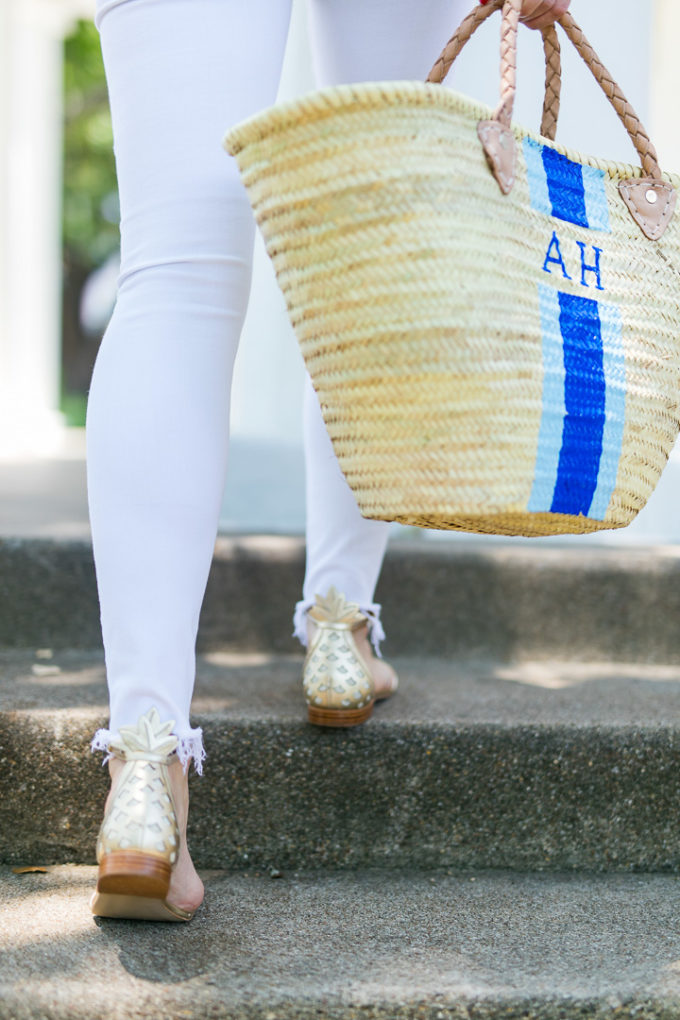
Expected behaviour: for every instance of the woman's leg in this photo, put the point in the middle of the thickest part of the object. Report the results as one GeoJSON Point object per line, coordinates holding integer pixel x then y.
{"type": "Point", "coordinates": [358, 40]}
{"type": "Point", "coordinates": [180, 72]}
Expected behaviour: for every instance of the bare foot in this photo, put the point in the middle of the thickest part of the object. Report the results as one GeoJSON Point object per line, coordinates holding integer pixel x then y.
{"type": "Point", "coordinates": [186, 888]}
{"type": "Point", "coordinates": [384, 677]}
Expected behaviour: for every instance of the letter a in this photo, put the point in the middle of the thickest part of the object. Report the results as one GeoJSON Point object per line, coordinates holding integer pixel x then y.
{"type": "Point", "coordinates": [556, 259]}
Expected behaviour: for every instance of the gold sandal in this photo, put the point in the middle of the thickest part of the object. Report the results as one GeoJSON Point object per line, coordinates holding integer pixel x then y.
{"type": "Point", "coordinates": [338, 685]}
{"type": "Point", "coordinates": [138, 841]}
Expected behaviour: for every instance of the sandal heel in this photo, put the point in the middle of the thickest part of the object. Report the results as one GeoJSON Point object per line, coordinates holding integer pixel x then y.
{"type": "Point", "coordinates": [131, 873]}
{"type": "Point", "coordinates": [338, 717]}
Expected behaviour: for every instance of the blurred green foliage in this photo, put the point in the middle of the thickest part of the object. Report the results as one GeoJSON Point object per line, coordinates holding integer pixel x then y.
{"type": "Point", "coordinates": [90, 206]}
{"type": "Point", "coordinates": [73, 406]}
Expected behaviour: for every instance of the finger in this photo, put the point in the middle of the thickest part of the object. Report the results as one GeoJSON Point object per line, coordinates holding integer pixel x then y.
{"type": "Point", "coordinates": [545, 13]}
{"type": "Point", "coordinates": [532, 9]}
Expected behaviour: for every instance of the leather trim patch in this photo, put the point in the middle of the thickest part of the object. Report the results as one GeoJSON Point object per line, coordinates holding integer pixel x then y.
{"type": "Point", "coordinates": [651, 204]}
{"type": "Point", "coordinates": [499, 148]}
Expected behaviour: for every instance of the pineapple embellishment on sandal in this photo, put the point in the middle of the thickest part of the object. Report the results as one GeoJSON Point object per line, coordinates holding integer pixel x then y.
{"type": "Point", "coordinates": [142, 816]}
{"type": "Point", "coordinates": [338, 686]}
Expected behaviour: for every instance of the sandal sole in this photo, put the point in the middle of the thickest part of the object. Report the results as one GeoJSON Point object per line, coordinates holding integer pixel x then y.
{"type": "Point", "coordinates": [339, 717]}
{"type": "Point", "coordinates": [136, 908]}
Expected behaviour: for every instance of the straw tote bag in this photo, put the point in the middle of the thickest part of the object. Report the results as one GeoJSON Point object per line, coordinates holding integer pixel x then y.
{"type": "Point", "coordinates": [491, 321]}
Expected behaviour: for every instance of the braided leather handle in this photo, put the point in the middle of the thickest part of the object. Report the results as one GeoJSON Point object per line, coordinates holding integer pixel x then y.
{"type": "Point", "coordinates": [553, 67]}
{"type": "Point", "coordinates": [503, 114]}
{"type": "Point", "coordinates": [624, 110]}
{"type": "Point", "coordinates": [553, 83]}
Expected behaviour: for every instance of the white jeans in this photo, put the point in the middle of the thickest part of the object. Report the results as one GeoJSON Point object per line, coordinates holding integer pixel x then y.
{"type": "Point", "coordinates": [180, 73]}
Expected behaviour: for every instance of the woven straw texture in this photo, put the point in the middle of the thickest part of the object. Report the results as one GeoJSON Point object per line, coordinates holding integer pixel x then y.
{"type": "Point", "coordinates": [482, 362]}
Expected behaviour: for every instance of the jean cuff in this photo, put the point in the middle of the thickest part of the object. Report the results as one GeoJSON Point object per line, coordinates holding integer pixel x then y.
{"type": "Point", "coordinates": [189, 747]}
{"type": "Point", "coordinates": [370, 610]}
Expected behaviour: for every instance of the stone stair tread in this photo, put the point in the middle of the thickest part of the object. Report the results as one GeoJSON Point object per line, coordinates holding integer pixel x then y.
{"type": "Point", "coordinates": [236, 687]}
{"type": "Point", "coordinates": [374, 944]}
{"type": "Point", "coordinates": [474, 764]}
{"type": "Point", "coordinates": [447, 599]}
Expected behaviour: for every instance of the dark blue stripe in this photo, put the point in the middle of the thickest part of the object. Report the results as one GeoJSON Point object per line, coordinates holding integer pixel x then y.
{"type": "Point", "coordinates": [565, 187]}
{"type": "Point", "coordinates": [584, 399]}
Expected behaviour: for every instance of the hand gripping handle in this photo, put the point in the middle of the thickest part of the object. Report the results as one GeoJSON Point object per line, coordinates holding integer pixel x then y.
{"type": "Point", "coordinates": [650, 199]}
{"type": "Point", "coordinates": [553, 67]}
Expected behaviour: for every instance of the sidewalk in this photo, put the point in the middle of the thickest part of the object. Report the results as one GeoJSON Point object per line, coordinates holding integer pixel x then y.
{"type": "Point", "coordinates": [371, 944]}
{"type": "Point", "coordinates": [46, 497]}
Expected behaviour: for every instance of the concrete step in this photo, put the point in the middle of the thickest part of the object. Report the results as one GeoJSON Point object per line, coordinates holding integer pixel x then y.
{"type": "Point", "coordinates": [542, 765]}
{"type": "Point", "coordinates": [375, 945]}
{"type": "Point", "coordinates": [502, 601]}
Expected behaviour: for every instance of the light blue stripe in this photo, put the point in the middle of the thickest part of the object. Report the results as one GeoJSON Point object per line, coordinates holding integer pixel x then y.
{"type": "Point", "coordinates": [552, 418]}
{"type": "Point", "coordinates": [597, 210]}
{"type": "Point", "coordinates": [615, 408]}
{"type": "Point", "coordinates": [538, 185]}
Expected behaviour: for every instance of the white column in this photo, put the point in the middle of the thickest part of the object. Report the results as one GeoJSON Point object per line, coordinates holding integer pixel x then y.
{"type": "Point", "coordinates": [665, 83]}
{"type": "Point", "coordinates": [30, 213]}
{"type": "Point", "coordinates": [5, 49]}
